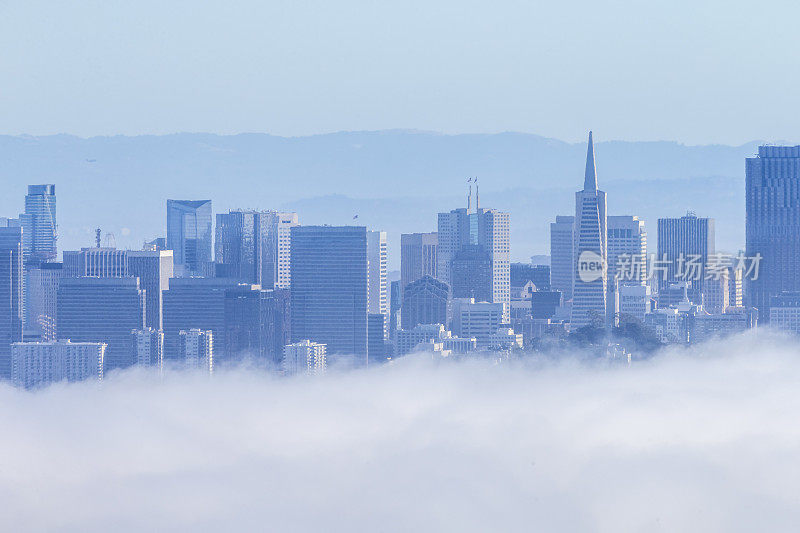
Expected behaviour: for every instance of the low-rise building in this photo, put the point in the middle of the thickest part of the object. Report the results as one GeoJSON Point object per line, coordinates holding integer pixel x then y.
{"type": "Point", "coordinates": [35, 364]}
{"type": "Point", "coordinates": [304, 357]}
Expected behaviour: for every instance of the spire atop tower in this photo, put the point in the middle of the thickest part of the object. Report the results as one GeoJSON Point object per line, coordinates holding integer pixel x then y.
{"type": "Point", "coordinates": [469, 196]}
{"type": "Point", "coordinates": [477, 195]}
{"type": "Point", "coordinates": [590, 179]}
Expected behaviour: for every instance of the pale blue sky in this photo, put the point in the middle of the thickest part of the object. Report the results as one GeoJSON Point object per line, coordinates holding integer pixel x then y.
{"type": "Point", "coordinates": [692, 71]}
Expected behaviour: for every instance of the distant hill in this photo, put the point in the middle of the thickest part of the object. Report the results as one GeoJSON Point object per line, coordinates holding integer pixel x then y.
{"type": "Point", "coordinates": [394, 180]}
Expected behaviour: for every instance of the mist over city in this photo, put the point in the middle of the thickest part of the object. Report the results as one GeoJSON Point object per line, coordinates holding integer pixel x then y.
{"type": "Point", "coordinates": [430, 266]}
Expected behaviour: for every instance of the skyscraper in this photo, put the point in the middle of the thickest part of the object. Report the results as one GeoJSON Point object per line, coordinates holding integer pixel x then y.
{"type": "Point", "coordinates": [562, 267]}
{"type": "Point", "coordinates": [627, 245]}
{"type": "Point", "coordinates": [425, 301]}
{"type": "Point", "coordinates": [772, 222]}
{"type": "Point", "coordinates": [189, 231]}
{"type": "Point", "coordinates": [253, 247]}
{"type": "Point", "coordinates": [154, 268]}
{"type": "Point", "coordinates": [42, 286]}
{"type": "Point", "coordinates": [11, 312]}
{"type": "Point", "coordinates": [471, 273]}
{"type": "Point", "coordinates": [102, 310]}
{"type": "Point", "coordinates": [39, 223]}
{"type": "Point", "coordinates": [377, 258]}
{"type": "Point", "coordinates": [195, 303]}
{"type": "Point", "coordinates": [96, 263]}
{"type": "Point", "coordinates": [417, 256]}
{"type": "Point", "coordinates": [681, 240]}
{"type": "Point", "coordinates": [238, 245]}
{"type": "Point", "coordinates": [255, 325]}
{"type": "Point", "coordinates": [329, 288]}
{"type": "Point", "coordinates": [590, 256]}
{"type": "Point", "coordinates": [487, 228]}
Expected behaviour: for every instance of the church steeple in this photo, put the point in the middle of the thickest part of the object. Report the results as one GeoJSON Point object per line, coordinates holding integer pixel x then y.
{"type": "Point", "coordinates": [590, 179]}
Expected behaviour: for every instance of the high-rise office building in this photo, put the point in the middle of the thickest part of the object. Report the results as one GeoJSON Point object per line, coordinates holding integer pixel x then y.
{"type": "Point", "coordinates": [329, 288]}
{"type": "Point", "coordinates": [254, 246]}
{"type": "Point", "coordinates": [685, 244]}
{"type": "Point", "coordinates": [238, 246]}
{"type": "Point", "coordinates": [189, 233]}
{"type": "Point", "coordinates": [417, 256]}
{"type": "Point", "coordinates": [590, 256]}
{"type": "Point", "coordinates": [772, 222]}
{"type": "Point", "coordinates": [103, 262]}
{"type": "Point", "coordinates": [195, 303]}
{"type": "Point", "coordinates": [11, 296]}
{"type": "Point", "coordinates": [562, 267]}
{"type": "Point", "coordinates": [635, 301]}
{"type": "Point", "coordinates": [471, 273]}
{"type": "Point", "coordinates": [148, 347]}
{"type": "Point", "coordinates": [281, 224]}
{"type": "Point", "coordinates": [39, 224]}
{"type": "Point", "coordinates": [735, 295]}
{"type": "Point", "coordinates": [377, 280]}
{"type": "Point", "coordinates": [425, 301]}
{"type": "Point", "coordinates": [43, 280]}
{"type": "Point", "coordinates": [486, 228]}
{"type": "Point", "coordinates": [521, 273]}
{"type": "Point", "coordinates": [102, 310]}
{"type": "Point", "coordinates": [395, 303]}
{"type": "Point", "coordinates": [784, 311]}
{"type": "Point", "coordinates": [41, 363]}
{"type": "Point", "coordinates": [377, 347]}
{"type": "Point", "coordinates": [196, 349]}
{"type": "Point", "coordinates": [154, 268]}
{"type": "Point", "coordinates": [256, 325]}
{"type": "Point", "coordinates": [479, 320]}
{"type": "Point", "coordinates": [627, 250]}
{"type": "Point", "coordinates": [304, 357]}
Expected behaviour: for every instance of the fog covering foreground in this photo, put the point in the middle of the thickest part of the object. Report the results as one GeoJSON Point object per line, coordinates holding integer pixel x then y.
{"type": "Point", "coordinates": [705, 439]}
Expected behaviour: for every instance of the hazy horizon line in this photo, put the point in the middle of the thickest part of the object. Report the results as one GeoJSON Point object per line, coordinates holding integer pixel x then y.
{"type": "Point", "coordinates": [407, 131]}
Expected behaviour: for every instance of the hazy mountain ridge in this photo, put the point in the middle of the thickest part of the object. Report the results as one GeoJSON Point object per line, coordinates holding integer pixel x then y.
{"type": "Point", "coordinates": [397, 178]}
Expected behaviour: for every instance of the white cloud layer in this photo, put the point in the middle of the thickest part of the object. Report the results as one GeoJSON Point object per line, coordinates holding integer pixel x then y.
{"type": "Point", "coordinates": [705, 439]}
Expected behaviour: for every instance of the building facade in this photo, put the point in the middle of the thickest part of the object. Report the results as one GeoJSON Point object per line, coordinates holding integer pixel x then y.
{"type": "Point", "coordinates": [377, 277]}
{"type": "Point", "coordinates": [41, 309]}
{"type": "Point", "coordinates": [590, 256]}
{"type": "Point", "coordinates": [304, 357]}
{"type": "Point", "coordinates": [425, 301]}
{"type": "Point", "coordinates": [11, 294]}
{"type": "Point", "coordinates": [37, 364]}
{"type": "Point", "coordinates": [148, 347]}
{"type": "Point", "coordinates": [417, 256]}
{"type": "Point", "coordinates": [562, 267]}
{"type": "Point", "coordinates": [486, 229]}
{"type": "Point", "coordinates": [196, 348]}
{"type": "Point", "coordinates": [195, 303]}
{"type": "Point", "coordinates": [681, 240]}
{"type": "Point", "coordinates": [154, 268]}
{"type": "Point", "coordinates": [329, 288]}
{"type": "Point", "coordinates": [771, 224]}
{"type": "Point", "coordinates": [189, 234]}
{"type": "Point", "coordinates": [254, 246]}
{"type": "Point", "coordinates": [102, 310]}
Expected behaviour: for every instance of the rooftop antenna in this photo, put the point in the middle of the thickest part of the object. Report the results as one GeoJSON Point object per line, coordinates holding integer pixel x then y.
{"type": "Point", "coordinates": [477, 197]}
{"type": "Point", "coordinates": [111, 241]}
{"type": "Point", "coordinates": [97, 237]}
{"type": "Point", "coordinates": [469, 196]}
